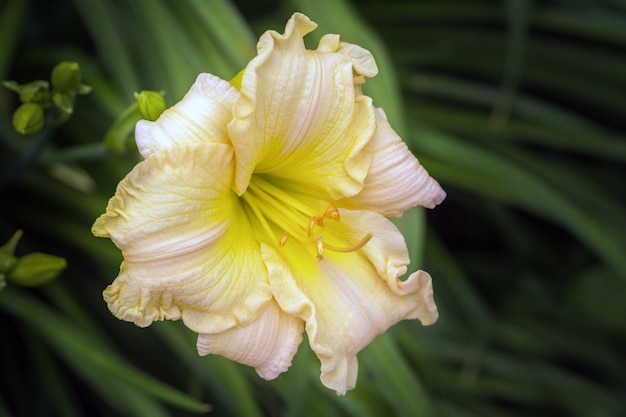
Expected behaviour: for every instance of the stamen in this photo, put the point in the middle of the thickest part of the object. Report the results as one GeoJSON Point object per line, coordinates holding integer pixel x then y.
{"type": "Point", "coordinates": [258, 214]}
{"type": "Point", "coordinates": [320, 248]}
{"type": "Point", "coordinates": [354, 248]}
{"type": "Point", "coordinates": [309, 229]}
{"type": "Point", "coordinates": [332, 213]}
{"type": "Point", "coordinates": [282, 216]}
{"type": "Point", "coordinates": [264, 201]}
{"type": "Point", "coordinates": [282, 196]}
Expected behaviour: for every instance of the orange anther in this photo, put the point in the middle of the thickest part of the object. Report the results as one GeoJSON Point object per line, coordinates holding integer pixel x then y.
{"type": "Point", "coordinates": [332, 213]}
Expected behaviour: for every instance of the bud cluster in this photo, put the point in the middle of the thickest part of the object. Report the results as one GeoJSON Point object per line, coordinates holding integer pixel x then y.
{"type": "Point", "coordinates": [38, 96]}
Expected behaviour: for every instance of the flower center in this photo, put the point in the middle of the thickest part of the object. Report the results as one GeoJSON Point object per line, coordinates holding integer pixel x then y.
{"type": "Point", "coordinates": [296, 215]}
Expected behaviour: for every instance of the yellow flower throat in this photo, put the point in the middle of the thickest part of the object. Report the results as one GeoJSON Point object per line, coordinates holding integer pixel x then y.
{"type": "Point", "coordinates": [275, 208]}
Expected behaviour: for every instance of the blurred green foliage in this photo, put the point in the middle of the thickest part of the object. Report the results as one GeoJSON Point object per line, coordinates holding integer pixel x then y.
{"type": "Point", "coordinates": [517, 107]}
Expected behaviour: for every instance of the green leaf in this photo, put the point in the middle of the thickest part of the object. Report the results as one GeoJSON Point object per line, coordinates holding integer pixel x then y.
{"type": "Point", "coordinates": [86, 355]}
{"type": "Point", "coordinates": [392, 376]}
{"type": "Point", "coordinates": [482, 171]}
{"type": "Point", "coordinates": [220, 375]}
{"type": "Point", "coordinates": [12, 16]}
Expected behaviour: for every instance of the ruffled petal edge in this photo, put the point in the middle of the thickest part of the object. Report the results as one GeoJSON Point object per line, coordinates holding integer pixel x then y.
{"type": "Point", "coordinates": [268, 344]}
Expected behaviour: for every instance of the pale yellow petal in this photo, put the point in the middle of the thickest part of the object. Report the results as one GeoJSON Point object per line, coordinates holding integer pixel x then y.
{"type": "Point", "coordinates": [201, 116]}
{"type": "Point", "coordinates": [300, 116]}
{"type": "Point", "coordinates": [343, 298]}
{"type": "Point", "coordinates": [268, 344]}
{"type": "Point", "coordinates": [396, 180]}
{"type": "Point", "coordinates": [188, 249]}
{"type": "Point", "coordinates": [388, 253]}
{"type": "Point", "coordinates": [172, 201]}
{"type": "Point", "coordinates": [361, 58]}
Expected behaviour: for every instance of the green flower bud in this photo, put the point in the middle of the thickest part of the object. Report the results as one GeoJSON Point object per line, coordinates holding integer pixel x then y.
{"type": "Point", "coordinates": [64, 102]}
{"type": "Point", "coordinates": [33, 92]}
{"type": "Point", "coordinates": [36, 269]}
{"type": "Point", "coordinates": [84, 89]}
{"type": "Point", "coordinates": [9, 247]}
{"type": "Point", "coordinates": [28, 119]}
{"type": "Point", "coordinates": [151, 104]}
{"type": "Point", "coordinates": [66, 77]}
{"type": "Point", "coordinates": [7, 262]}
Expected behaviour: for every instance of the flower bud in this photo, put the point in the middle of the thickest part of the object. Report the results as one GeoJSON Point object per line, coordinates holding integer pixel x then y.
{"type": "Point", "coordinates": [66, 77]}
{"type": "Point", "coordinates": [28, 119]}
{"type": "Point", "coordinates": [151, 104]}
{"type": "Point", "coordinates": [36, 269]}
{"type": "Point", "coordinates": [64, 102]}
{"type": "Point", "coordinates": [34, 92]}
{"type": "Point", "coordinates": [9, 247]}
{"type": "Point", "coordinates": [7, 262]}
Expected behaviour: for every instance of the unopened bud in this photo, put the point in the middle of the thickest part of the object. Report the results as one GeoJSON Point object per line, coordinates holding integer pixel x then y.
{"type": "Point", "coordinates": [36, 269]}
{"type": "Point", "coordinates": [28, 119]}
{"type": "Point", "coordinates": [151, 104]}
{"type": "Point", "coordinates": [34, 92]}
{"type": "Point", "coordinates": [7, 262]}
{"type": "Point", "coordinates": [66, 77]}
{"type": "Point", "coordinates": [64, 102]}
{"type": "Point", "coordinates": [7, 259]}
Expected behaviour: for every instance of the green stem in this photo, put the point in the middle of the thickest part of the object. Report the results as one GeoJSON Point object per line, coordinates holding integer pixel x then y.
{"type": "Point", "coordinates": [13, 172]}
{"type": "Point", "coordinates": [88, 151]}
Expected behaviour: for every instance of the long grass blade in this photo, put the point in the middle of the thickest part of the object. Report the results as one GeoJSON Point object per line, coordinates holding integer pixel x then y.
{"type": "Point", "coordinates": [483, 171]}
{"type": "Point", "coordinates": [12, 14]}
{"type": "Point", "coordinates": [79, 348]}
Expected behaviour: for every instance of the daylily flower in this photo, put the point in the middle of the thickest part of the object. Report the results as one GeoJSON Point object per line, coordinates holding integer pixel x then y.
{"type": "Point", "coordinates": [259, 211]}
